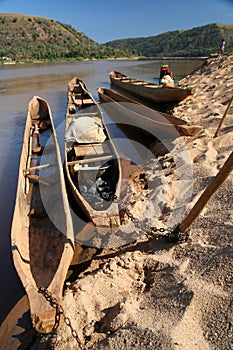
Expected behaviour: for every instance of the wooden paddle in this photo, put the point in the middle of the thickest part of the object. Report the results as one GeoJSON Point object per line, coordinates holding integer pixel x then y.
{"type": "Point", "coordinates": [207, 194]}
{"type": "Point", "coordinates": [224, 116]}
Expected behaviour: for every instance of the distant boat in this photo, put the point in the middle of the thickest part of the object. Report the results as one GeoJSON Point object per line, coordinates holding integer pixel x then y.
{"type": "Point", "coordinates": [91, 160]}
{"type": "Point", "coordinates": [158, 94]}
{"type": "Point", "coordinates": [145, 117]}
{"type": "Point", "coordinates": [42, 247]}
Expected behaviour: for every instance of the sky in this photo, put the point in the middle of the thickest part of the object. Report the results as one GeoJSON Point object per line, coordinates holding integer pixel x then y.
{"type": "Point", "coordinates": [108, 20]}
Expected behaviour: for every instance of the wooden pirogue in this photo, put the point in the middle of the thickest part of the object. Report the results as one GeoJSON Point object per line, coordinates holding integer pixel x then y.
{"type": "Point", "coordinates": [158, 94]}
{"type": "Point", "coordinates": [42, 230]}
{"type": "Point", "coordinates": [146, 118]}
{"type": "Point", "coordinates": [91, 160]}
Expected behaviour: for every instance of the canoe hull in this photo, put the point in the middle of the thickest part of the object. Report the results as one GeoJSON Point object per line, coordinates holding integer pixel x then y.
{"type": "Point", "coordinates": [148, 91]}
{"type": "Point", "coordinates": [147, 118]}
{"type": "Point", "coordinates": [42, 251]}
{"type": "Point", "coordinates": [81, 104]}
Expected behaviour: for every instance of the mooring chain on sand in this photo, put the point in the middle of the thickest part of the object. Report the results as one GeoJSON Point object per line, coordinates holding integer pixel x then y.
{"type": "Point", "coordinates": [60, 311]}
{"type": "Point", "coordinates": [170, 234]}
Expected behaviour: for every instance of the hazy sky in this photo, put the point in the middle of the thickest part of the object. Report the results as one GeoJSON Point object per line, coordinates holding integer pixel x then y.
{"type": "Point", "coordinates": [108, 20]}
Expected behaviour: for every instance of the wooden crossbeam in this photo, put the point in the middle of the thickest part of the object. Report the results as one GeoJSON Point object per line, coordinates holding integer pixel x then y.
{"type": "Point", "coordinates": [37, 167]}
{"type": "Point", "coordinates": [39, 179]}
{"type": "Point", "coordinates": [89, 160]}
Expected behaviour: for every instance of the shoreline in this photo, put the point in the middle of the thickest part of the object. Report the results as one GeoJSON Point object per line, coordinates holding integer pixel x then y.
{"type": "Point", "coordinates": [158, 295]}
{"type": "Point", "coordinates": [167, 58]}
{"type": "Point", "coordinates": [136, 58]}
{"type": "Point", "coordinates": [170, 296]}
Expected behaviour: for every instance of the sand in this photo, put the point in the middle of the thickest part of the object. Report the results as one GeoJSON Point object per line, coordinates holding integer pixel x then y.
{"type": "Point", "coordinates": [158, 295]}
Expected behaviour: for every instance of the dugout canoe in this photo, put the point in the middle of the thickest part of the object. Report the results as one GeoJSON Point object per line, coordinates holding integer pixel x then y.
{"type": "Point", "coordinates": [42, 232]}
{"type": "Point", "coordinates": [145, 90]}
{"type": "Point", "coordinates": [92, 162]}
{"type": "Point", "coordinates": [145, 117]}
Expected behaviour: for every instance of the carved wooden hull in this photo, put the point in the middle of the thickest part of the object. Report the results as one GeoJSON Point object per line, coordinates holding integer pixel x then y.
{"type": "Point", "coordinates": [148, 91]}
{"type": "Point", "coordinates": [87, 161]}
{"type": "Point", "coordinates": [146, 118]}
{"type": "Point", "coordinates": [42, 231]}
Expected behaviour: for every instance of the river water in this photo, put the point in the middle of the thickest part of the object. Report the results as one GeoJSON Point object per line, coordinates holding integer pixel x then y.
{"type": "Point", "coordinates": [18, 84]}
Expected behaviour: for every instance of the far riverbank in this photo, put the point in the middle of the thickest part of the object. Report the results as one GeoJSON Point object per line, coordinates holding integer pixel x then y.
{"type": "Point", "coordinates": [8, 61]}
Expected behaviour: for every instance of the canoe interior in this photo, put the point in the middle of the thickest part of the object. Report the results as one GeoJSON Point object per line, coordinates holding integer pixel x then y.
{"type": "Point", "coordinates": [93, 168]}
{"type": "Point", "coordinates": [97, 171]}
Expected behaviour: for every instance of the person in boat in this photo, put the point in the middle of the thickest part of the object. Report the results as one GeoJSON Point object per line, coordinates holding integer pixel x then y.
{"type": "Point", "coordinates": [166, 77]}
{"type": "Point", "coordinates": [222, 46]}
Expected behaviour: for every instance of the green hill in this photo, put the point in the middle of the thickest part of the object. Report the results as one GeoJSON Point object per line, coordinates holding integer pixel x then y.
{"type": "Point", "coordinates": [199, 41]}
{"type": "Point", "coordinates": [30, 38]}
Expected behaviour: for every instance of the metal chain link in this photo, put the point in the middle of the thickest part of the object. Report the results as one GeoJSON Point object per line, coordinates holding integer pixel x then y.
{"type": "Point", "coordinates": [172, 235]}
{"type": "Point", "coordinates": [59, 311]}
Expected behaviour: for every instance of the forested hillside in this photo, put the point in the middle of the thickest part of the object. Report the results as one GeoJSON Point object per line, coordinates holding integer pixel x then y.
{"type": "Point", "coordinates": [30, 38]}
{"type": "Point", "coordinates": [199, 41]}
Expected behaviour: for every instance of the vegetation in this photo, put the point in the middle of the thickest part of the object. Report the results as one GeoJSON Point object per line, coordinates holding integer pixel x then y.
{"type": "Point", "coordinates": [31, 38]}
{"type": "Point", "coordinates": [199, 41]}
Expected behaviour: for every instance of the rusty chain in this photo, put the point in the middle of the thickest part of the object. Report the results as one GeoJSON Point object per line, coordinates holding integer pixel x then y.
{"type": "Point", "coordinates": [171, 235]}
{"type": "Point", "coordinates": [60, 311]}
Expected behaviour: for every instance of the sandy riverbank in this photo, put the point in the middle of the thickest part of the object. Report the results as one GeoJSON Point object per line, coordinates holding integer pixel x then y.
{"type": "Point", "coordinates": [155, 295]}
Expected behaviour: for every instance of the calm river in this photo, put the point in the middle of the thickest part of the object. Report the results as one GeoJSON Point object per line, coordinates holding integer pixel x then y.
{"type": "Point", "coordinates": [18, 84]}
